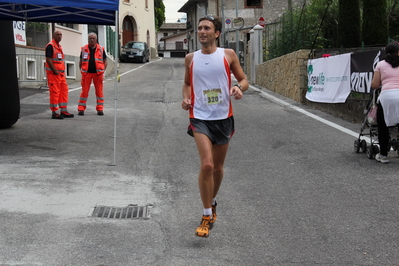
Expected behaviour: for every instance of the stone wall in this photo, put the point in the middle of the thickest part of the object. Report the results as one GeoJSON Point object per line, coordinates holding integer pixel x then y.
{"type": "Point", "coordinates": [352, 110]}
{"type": "Point", "coordinates": [287, 76]}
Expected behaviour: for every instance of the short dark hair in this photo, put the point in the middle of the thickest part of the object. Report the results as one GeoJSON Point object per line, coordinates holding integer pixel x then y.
{"type": "Point", "coordinates": [217, 22]}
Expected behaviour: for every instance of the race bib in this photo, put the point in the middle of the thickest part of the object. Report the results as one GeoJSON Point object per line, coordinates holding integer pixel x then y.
{"type": "Point", "coordinates": [212, 96]}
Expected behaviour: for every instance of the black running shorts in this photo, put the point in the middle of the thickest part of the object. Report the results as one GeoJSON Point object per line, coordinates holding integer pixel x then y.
{"type": "Point", "coordinates": [218, 131]}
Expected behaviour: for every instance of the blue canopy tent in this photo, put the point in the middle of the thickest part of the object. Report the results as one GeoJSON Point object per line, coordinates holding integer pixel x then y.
{"type": "Point", "coordinates": [99, 12]}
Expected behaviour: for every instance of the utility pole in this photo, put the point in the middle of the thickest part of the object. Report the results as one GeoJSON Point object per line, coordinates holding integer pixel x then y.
{"type": "Point", "coordinates": [237, 41]}
{"type": "Point", "coordinates": [291, 18]}
{"type": "Point", "coordinates": [290, 12]}
{"type": "Point", "coordinates": [224, 26]}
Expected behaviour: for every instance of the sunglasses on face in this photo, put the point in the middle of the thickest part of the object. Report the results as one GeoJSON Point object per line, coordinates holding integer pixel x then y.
{"type": "Point", "coordinates": [208, 17]}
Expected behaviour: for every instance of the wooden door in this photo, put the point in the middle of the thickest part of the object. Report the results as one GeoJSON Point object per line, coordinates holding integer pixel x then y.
{"type": "Point", "coordinates": [127, 33]}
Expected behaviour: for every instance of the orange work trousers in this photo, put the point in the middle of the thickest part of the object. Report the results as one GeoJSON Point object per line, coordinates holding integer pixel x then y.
{"type": "Point", "coordinates": [98, 85]}
{"type": "Point", "coordinates": [58, 89]}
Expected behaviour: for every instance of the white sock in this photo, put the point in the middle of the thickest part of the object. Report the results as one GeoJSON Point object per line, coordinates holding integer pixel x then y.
{"type": "Point", "coordinates": [213, 201]}
{"type": "Point", "coordinates": [208, 211]}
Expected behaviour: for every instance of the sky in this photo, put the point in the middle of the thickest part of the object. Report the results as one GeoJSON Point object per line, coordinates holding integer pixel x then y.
{"type": "Point", "coordinates": [171, 7]}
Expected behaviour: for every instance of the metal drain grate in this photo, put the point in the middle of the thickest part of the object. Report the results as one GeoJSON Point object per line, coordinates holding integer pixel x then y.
{"type": "Point", "coordinates": [129, 212]}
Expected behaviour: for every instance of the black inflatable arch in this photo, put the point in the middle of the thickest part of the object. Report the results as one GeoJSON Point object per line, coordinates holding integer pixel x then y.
{"type": "Point", "coordinates": [101, 12]}
{"type": "Point", "coordinates": [9, 91]}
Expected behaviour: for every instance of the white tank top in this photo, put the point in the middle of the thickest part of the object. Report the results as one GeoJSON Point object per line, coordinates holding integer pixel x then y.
{"type": "Point", "coordinates": [210, 81]}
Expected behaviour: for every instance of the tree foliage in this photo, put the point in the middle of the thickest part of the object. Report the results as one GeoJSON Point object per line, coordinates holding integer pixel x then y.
{"type": "Point", "coordinates": [346, 24]}
{"type": "Point", "coordinates": [37, 26]}
{"type": "Point", "coordinates": [393, 19]}
{"type": "Point", "coordinates": [375, 23]}
{"type": "Point", "coordinates": [312, 25]}
{"type": "Point", "coordinates": [159, 13]}
{"type": "Point", "coordinates": [349, 28]}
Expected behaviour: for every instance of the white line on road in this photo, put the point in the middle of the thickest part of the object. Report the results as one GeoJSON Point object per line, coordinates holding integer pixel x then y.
{"type": "Point", "coordinates": [127, 72]}
{"type": "Point", "coordinates": [134, 69]}
{"type": "Point", "coordinates": [272, 98]}
{"type": "Point", "coordinates": [283, 103]}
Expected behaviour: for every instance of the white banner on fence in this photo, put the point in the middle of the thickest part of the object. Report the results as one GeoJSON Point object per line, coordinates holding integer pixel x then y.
{"type": "Point", "coordinates": [329, 79]}
{"type": "Point", "coordinates": [19, 32]}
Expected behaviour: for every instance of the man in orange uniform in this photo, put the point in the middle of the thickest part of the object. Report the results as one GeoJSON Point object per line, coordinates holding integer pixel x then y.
{"type": "Point", "coordinates": [93, 62]}
{"type": "Point", "coordinates": [55, 69]}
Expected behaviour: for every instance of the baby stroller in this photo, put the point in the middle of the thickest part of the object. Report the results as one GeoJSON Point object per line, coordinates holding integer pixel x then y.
{"type": "Point", "coordinates": [369, 130]}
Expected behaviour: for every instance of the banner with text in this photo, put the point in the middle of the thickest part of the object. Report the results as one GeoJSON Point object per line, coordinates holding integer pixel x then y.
{"type": "Point", "coordinates": [328, 79]}
{"type": "Point", "coordinates": [362, 69]}
{"type": "Point", "coordinates": [19, 32]}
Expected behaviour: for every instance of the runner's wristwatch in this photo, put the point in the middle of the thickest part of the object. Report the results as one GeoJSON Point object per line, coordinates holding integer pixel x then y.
{"type": "Point", "coordinates": [238, 85]}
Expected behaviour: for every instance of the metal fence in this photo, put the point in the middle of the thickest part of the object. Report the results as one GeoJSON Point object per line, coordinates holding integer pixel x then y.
{"type": "Point", "coordinates": [37, 34]}
{"type": "Point", "coordinates": [293, 31]}
{"type": "Point", "coordinates": [172, 46]}
{"type": "Point", "coordinates": [111, 41]}
{"type": "Point", "coordinates": [275, 43]}
{"type": "Point", "coordinates": [31, 70]}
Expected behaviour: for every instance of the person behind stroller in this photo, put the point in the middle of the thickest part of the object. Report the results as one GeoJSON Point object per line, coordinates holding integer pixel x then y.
{"type": "Point", "coordinates": [386, 75]}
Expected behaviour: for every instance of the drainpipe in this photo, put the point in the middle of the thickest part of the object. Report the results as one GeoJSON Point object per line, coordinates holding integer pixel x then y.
{"type": "Point", "coordinates": [237, 40]}
{"type": "Point", "coordinates": [224, 24]}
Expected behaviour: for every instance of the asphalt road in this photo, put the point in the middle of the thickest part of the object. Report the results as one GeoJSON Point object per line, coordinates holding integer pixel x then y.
{"type": "Point", "coordinates": [294, 193]}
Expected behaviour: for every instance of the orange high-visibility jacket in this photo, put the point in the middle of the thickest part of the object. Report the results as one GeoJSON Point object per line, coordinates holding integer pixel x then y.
{"type": "Point", "coordinates": [98, 59]}
{"type": "Point", "coordinates": [57, 59]}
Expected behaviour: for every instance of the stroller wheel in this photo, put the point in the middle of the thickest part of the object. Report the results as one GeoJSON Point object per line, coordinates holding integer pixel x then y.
{"type": "Point", "coordinates": [376, 149]}
{"type": "Point", "coordinates": [356, 146]}
{"type": "Point", "coordinates": [369, 152]}
{"type": "Point", "coordinates": [394, 144]}
{"type": "Point", "coordinates": [363, 145]}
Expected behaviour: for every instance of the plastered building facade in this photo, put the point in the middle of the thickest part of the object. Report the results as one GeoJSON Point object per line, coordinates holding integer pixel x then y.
{"type": "Point", "coordinates": [249, 10]}
{"type": "Point", "coordinates": [137, 23]}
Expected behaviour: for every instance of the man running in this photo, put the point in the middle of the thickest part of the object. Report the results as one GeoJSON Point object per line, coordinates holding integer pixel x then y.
{"type": "Point", "coordinates": [206, 95]}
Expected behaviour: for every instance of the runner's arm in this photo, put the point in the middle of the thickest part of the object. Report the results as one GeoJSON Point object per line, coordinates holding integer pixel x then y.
{"type": "Point", "coordinates": [186, 90]}
{"type": "Point", "coordinates": [238, 74]}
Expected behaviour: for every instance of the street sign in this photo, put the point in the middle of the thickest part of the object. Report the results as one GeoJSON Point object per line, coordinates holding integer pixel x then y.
{"type": "Point", "coordinates": [228, 21]}
{"type": "Point", "coordinates": [238, 23]}
{"type": "Point", "coordinates": [185, 40]}
{"type": "Point", "coordinates": [261, 21]}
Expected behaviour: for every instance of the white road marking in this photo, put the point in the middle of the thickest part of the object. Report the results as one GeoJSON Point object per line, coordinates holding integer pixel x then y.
{"type": "Point", "coordinates": [283, 103]}
{"type": "Point", "coordinates": [127, 72]}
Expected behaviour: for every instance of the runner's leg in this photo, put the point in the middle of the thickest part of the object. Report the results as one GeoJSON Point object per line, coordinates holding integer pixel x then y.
{"type": "Point", "coordinates": [205, 178]}
{"type": "Point", "coordinates": [219, 153]}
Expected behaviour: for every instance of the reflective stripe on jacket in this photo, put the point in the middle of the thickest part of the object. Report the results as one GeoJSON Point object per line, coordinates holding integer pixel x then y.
{"type": "Point", "coordinates": [98, 59]}
{"type": "Point", "coordinates": [57, 58]}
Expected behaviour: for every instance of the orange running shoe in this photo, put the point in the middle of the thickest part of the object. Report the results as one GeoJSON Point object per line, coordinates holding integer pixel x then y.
{"type": "Point", "coordinates": [214, 216]}
{"type": "Point", "coordinates": [204, 227]}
